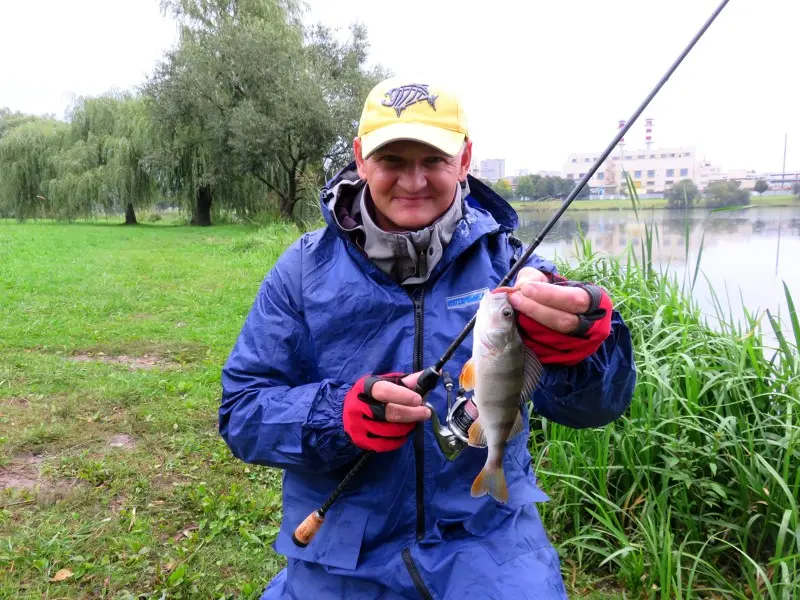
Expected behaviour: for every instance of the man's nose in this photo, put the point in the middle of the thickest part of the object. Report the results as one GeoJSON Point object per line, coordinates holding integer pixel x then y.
{"type": "Point", "coordinates": [412, 178]}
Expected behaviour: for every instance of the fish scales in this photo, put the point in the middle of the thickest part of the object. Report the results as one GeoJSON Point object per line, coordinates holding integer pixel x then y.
{"type": "Point", "coordinates": [502, 373]}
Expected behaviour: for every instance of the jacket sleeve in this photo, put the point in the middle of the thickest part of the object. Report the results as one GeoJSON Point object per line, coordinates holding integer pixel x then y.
{"type": "Point", "coordinates": [274, 411]}
{"type": "Point", "coordinates": [597, 390]}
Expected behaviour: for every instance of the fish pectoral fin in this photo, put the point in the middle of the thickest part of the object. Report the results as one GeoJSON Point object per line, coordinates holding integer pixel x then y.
{"type": "Point", "coordinates": [467, 378]}
{"type": "Point", "coordinates": [477, 436]}
{"type": "Point", "coordinates": [490, 481]}
{"type": "Point", "coordinates": [532, 373]}
{"type": "Point", "coordinates": [517, 427]}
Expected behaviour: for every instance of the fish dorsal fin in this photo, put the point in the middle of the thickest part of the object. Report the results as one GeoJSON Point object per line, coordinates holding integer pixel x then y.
{"type": "Point", "coordinates": [532, 373]}
{"type": "Point", "coordinates": [467, 377]}
{"type": "Point", "coordinates": [477, 436]}
{"type": "Point", "coordinates": [517, 427]}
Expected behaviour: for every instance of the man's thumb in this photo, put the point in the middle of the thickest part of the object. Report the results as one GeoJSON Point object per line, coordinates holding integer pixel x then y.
{"type": "Point", "coordinates": [410, 381]}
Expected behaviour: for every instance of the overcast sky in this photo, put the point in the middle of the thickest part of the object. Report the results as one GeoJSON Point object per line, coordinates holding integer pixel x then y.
{"type": "Point", "coordinates": [538, 79]}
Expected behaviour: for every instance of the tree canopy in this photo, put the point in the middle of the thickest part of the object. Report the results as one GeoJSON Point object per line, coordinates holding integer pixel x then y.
{"type": "Point", "coordinates": [538, 187]}
{"type": "Point", "coordinates": [682, 194]}
{"type": "Point", "coordinates": [726, 193]}
{"type": "Point", "coordinates": [250, 94]}
{"type": "Point", "coordinates": [248, 113]}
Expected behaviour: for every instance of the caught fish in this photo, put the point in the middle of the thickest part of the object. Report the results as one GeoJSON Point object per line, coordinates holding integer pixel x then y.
{"type": "Point", "coordinates": [502, 373]}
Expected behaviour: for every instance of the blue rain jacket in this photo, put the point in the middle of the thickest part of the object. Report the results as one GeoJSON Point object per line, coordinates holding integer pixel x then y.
{"type": "Point", "coordinates": [406, 526]}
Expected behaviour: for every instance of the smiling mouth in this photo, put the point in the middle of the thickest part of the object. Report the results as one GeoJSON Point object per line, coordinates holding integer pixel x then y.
{"type": "Point", "coordinates": [412, 199]}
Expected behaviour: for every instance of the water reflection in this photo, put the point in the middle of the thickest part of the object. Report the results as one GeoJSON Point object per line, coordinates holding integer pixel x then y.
{"type": "Point", "coordinates": [747, 254]}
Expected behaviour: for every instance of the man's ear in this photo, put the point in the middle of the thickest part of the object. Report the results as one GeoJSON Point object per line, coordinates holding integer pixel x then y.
{"type": "Point", "coordinates": [362, 170]}
{"type": "Point", "coordinates": [466, 160]}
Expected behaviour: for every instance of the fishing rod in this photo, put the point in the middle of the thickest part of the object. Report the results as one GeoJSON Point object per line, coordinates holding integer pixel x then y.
{"type": "Point", "coordinates": [451, 437]}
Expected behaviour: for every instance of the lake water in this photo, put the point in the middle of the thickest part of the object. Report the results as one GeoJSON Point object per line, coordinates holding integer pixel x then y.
{"type": "Point", "coordinates": [751, 251]}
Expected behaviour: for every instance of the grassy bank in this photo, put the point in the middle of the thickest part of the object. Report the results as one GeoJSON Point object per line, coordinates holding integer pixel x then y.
{"type": "Point", "coordinates": [644, 203]}
{"type": "Point", "coordinates": [694, 493]}
{"type": "Point", "coordinates": [116, 482]}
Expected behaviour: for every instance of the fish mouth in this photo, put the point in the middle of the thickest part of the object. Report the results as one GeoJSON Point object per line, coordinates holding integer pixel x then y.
{"type": "Point", "coordinates": [503, 290]}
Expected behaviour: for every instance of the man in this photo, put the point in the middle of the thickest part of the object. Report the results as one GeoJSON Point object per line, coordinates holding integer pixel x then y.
{"type": "Point", "coordinates": [325, 366]}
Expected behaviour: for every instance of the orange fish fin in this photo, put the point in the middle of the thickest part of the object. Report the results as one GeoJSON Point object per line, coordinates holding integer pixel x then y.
{"type": "Point", "coordinates": [517, 427]}
{"type": "Point", "coordinates": [467, 377]}
{"type": "Point", "coordinates": [477, 436]}
{"type": "Point", "coordinates": [490, 481]}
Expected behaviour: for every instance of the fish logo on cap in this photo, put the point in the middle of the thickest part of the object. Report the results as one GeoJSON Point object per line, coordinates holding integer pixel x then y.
{"type": "Point", "coordinates": [400, 98]}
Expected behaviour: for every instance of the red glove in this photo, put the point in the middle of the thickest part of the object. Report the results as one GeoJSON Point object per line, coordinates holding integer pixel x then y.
{"type": "Point", "coordinates": [365, 418]}
{"type": "Point", "coordinates": [553, 347]}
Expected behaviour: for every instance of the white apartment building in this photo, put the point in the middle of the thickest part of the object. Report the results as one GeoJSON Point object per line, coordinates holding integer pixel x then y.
{"type": "Point", "coordinates": [493, 168]}
{"type": "Point", "coordinates": [652, 171]}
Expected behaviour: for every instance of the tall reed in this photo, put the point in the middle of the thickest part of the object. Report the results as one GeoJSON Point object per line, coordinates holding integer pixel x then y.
{"type": "Point", "coordinates": [694, 492]}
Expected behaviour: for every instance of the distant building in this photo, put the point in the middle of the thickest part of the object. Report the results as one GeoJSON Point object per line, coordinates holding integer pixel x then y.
{"type": "Point", "coordinates": [474, 169]}
{"type": "Point", "coordinates": [652, 172]}
{"type": "Point", "coordinates": [521, 172]}
{"type": "Point", "coordinates": [747, 179]}
{"type": "Point", "coordinates": [493, 169]}
{"type": "Point", "coordinates": [782, 180]}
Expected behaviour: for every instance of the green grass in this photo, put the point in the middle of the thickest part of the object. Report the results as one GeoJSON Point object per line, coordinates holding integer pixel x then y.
{"type": "Point", "coordinates": [118, 334]}
{"type": "Point", "coordinates": [72, 298]}
{"type": "Point", "coordinates": [645, 203]}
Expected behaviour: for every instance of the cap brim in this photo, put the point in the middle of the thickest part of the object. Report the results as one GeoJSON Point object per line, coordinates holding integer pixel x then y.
{"type": "Point", "coordinates": [443, 140]}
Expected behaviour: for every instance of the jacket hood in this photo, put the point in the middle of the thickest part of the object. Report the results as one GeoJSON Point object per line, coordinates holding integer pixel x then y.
{"type": "Point", "coordinates": [339, 193]}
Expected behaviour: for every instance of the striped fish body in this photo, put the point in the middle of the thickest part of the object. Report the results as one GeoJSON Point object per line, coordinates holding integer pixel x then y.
{"type": "Point", "coordinates": [502, 372]}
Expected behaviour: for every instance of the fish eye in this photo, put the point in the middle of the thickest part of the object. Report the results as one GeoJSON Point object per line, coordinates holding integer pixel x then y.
{"type": "Point", "coordinates": [508, 313]}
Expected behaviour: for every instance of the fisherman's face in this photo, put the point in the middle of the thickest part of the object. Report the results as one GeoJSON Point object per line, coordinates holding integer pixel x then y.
{"type": "Point", "coordinates": [411, 184]}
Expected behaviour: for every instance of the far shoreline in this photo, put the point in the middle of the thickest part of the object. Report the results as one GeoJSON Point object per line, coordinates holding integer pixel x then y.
{"type": "Point", "coordinates": [646, 204]}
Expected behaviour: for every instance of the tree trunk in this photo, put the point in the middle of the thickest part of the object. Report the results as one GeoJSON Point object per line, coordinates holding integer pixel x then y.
{"type": "Point", "coordinates": [288, 202]}
{"type": "Point", "coordinates": [202, 214]}
{"type": "Point", "coordinates": [130, 215]}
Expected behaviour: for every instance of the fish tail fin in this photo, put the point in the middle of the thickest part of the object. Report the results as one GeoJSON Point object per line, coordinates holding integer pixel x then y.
{"type": "Point", "coordinates": [491, 480]}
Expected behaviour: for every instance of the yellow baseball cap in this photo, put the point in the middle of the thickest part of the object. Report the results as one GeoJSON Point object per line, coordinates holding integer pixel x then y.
{"type": "Point", "coordinates": [407, 109]}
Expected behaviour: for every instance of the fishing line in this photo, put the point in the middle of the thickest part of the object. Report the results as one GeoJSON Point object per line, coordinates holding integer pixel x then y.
{"type": "Point", "coordinates": [430, 376]}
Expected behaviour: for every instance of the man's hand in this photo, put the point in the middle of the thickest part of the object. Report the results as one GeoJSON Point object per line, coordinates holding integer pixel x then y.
{"type": "Point", "coordinates": [380, 411]}
{"type": "Point", "coordinates": [556, 307]}
{"type": "Point", "coordinates": [562, 321]}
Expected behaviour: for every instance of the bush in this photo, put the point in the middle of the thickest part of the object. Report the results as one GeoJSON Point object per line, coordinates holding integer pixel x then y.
{"type": "Point", "coordinates": [682, 194]}
{"type": "Point", "coordinates": [726, 193]}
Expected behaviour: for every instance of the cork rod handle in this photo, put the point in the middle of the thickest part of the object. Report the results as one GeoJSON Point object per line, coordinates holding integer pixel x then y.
{"type": "Point", "coordinates": [306, 531]}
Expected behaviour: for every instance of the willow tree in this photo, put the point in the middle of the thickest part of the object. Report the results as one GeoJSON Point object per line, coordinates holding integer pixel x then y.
{"type": "Point", "coordinates": [28, 156]}
{"type": "Point", "coordinates": [10, 119]}
{"type": "Point", "coordinates": [251, 93]}
{"type": "Point", "coordinates": [93, 162]}
{"type": "Point", "coordinates": [105, 168]}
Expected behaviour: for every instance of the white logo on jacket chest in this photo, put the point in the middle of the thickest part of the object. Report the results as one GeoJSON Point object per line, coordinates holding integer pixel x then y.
{"type": "Point", "coordinates": [468, 299]}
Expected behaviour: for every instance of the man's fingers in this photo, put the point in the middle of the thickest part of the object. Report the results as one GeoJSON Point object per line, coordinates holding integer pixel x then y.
{"type": "Point", "coordinates": [396, 413]}
{"type": "Point", "coordinates": [548, 316]}
{"type": "Point", "coordinates": [528, 275]}
{"type": "Point", "coordinates": [568, 299]}
{"type": "Point", "coordinates": [385, 391]}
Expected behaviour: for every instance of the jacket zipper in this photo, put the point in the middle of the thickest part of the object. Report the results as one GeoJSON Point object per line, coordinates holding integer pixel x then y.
{"type": "Point", "coordinates": [419, 432]}
{"type": "Point", "coordinates": [418, 298]}
{"type": "Point", "coordinates": [415, 577]}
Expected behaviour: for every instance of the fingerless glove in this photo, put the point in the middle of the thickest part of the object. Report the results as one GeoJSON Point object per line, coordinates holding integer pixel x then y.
{"type": "Point", "coordinates": [553, 347]}
{"type": "Point", "coordinates": [365, 418]}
